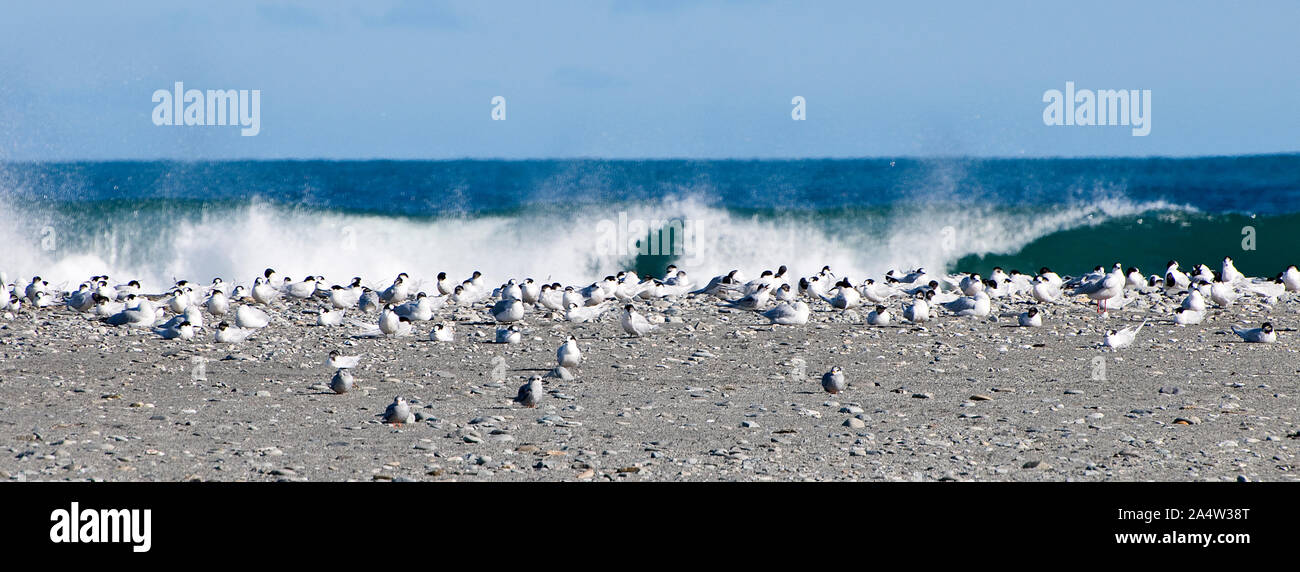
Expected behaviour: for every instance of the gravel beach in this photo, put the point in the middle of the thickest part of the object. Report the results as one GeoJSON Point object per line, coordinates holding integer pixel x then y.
{"type": "Point", "coordinates": [714, 395]}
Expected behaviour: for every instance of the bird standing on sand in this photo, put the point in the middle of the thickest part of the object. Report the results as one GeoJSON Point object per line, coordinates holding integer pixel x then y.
{"type": "Point", "coordinates": [341, 382]}
{"type": "Point", "coordinates": [399, 412]}
{"type": "Point", "coordinates": [508, 310]}
{"type": "Point", "coordinates": [634, 323]}
{"type": "Point", "coordinates": [530, 393]}
{"type": "Point", "coordinates": [568, 354]}
{"type": "Point", "coordinates": [833, 381]}
{"type": "Point", "coordinates": [1104, 288]}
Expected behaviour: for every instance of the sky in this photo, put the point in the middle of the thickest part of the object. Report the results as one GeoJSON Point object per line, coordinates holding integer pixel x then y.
{"type": "Point", "coordinates": [645, 79]}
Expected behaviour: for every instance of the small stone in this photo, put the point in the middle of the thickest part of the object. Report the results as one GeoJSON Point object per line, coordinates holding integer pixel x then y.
{"type": "Point", "coordinates": [980, 397]}
{"type": "Point", "coordinates": [748, 424]}
{"type": "Point", "coordinates": [922, 395]}
{"type": "Point", "coordinates": [1036, 465]}
{"type": "Point", "coordinates": [1073, 392]}
{"type": "Point", "coordinates": [854, 423]}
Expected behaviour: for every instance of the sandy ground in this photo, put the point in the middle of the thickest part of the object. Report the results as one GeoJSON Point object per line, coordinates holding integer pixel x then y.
{"type": "Point", "coordinates": [714, 395]}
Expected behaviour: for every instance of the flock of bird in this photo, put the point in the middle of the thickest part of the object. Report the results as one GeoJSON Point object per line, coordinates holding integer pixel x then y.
{"type": "Point", "coordinates": [775, 296]}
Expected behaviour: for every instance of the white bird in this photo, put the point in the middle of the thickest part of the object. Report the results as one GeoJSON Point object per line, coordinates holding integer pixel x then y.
{"type": "Point", "coordinates": [249, 317]}
{"type": "Point", "coordinates": [124, 290]}
{"type": "Point", "coordinates": [344, 298]}
{"type": "Point", "coordinates": [82, 300]}
{"type": "Point", "coordinates": [511, 291]}
{"type": "Point", "coordinates": [919, 310]}
{"type": "Point", "coordinates": [784, 293]}
{"type": "Point", "coordinates": [445, 286]}
{"type": "Point", "coordinates": [218, 304]}
{"type": "Point", "coordinates": [568, 354]}
{"type": "Point", "coordinates": [226, 334]}
{"type": "Point", "coordinates": [530, 393]}
{"type": "Point", "coordinates": [183, 330]}
{"type": "Point", "coordinates": [340, 361]}
{"type": "Point", "coordinates": [398, 292]}
{"type": "Point", "coordinates": [1229, 272]}
{"type": "Point", "coordinates": [138, 313]}
{"type": "Point", "coordinates": [877, 293]}
{"type": "Point", "coordinates": [301, 290]}
{"type": "Point", "coordinates": [570, 297]}
{"type": "Point", "coordinates": [191, 315]}
{"type": "Point", "coordinates": [1185, 317]}
{"type": "Point", "coordinates": [37, 286]}
{"type": "Point", "coordinates": [1102, 289]}
{"type": "Point", "coordinates": [551, 298]}
{"type": "Point", "coordinates": [833, 381]}
{"type": "Point", "coordinates": [1051, 277]}
{"type": "Point", "coordinates": [634, 323]}
{"type": "Point", "coordinates": [442, 333]}
{"type": "Point", "coordinates": [263, 293]}
{"type": "Point", "coordinates": [1044, 290]}
{"type": "Point", "coordinates": [977, 305]}
{"type": "Point", "coordinates": [510, 335]}
{"type": "Point", "coordinates": [368, 301]}
{"type": "Point", "coordinates": [1031, 318]}
{"type": "Point", "coordinates": [421, 309]}
{"type": "Point", "coordinates": [879, 317]}
{"type": "Point", "coordinates": [1135, 279]}
{"type": "Point", "coordinates": [341, 382]}
{"type": "Point", "coordinates": [971, 285]}
{"type": "Point", "coordinates": [1194, 301]}
{"type": "Point", "coordinates": [1221, 293]}
{"type": "Point", "coordinates": [1291, 279]}
{"type": "Point", "coordinates": [755, 301]}
{"type": "Point", "coordinates": [530, 290]}
{"type": "Point", "coordinates": [787, 314]}
{"type": "Point", "coordinates": [846, 296]}
{"type": "Point", "coordinates": [399, 412]}
{"type": "Point", "coordinates": [508, 310]}
{"type": "Point", "coordinates": [328, 317]}
{"type": "Point", "coordinates": [391, 324]}
{"type": "Point", "coordinates": [1175, 279]}
{"type": "Point", "coordinates": [1262, 335]}
{"type": "Point", "coordinates": [582, 314]}
{"type": "Point", "coordinates": [1122, 338]}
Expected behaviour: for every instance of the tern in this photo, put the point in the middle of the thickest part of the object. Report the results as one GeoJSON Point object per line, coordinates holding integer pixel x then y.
{"type": "Point", "coordinates": [787, 314]}
{"type": "Point", "coordinates": [634, 323]}
{"type": "Point", "coordinates": [340, 361]}
{"type": "Point", "coordinates": [530, 393]}
{"type": "Point", "coordinates": [1123, 338]}
{"type": "Point", "coordinates": [568, 354]}
{"type": "Point", "coordinates": [833, 381]}
{"type": "Point", "coordinates": [1261, 335]}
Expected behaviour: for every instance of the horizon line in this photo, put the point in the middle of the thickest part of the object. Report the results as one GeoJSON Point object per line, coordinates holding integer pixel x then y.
{"type": "Point", "coordinates": [651, 159]}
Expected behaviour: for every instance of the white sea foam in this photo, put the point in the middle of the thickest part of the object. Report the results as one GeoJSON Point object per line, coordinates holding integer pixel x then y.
{"type": "Point", "coordinates": [238, 243]}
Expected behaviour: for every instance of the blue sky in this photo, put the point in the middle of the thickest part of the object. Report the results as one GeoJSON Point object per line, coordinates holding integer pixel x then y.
{"type": "Point", "coordinates": [645, 79]}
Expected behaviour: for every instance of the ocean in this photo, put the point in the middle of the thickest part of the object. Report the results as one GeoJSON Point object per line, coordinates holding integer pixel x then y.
{"type": "Point", "coordinates": [574, 221]}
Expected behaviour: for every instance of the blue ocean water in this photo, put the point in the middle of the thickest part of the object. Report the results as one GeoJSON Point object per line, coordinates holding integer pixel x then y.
{"type": "Point", "coordinates": [577, 220]}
